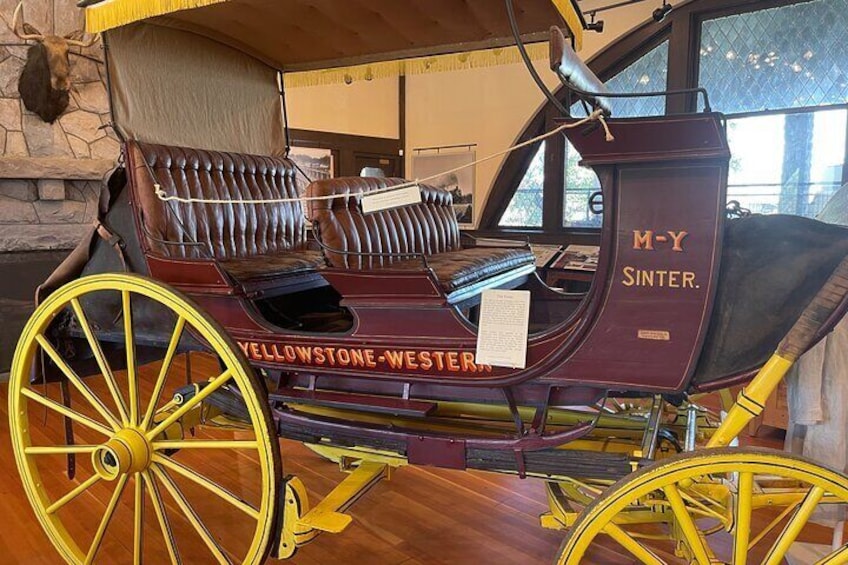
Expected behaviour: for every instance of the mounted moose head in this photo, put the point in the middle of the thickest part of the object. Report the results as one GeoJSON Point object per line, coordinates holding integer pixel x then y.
{"type": "Point", "coordinates": [45, 81]}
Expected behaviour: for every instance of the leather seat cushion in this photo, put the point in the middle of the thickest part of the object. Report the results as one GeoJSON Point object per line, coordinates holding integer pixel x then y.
{"type": "Point", "coordinates": [226, 231]}
{"type": "Point", "coordinates": [428, 227]}
{"type": "Point", "coordinates": [265, 267]}
{"type": "Point", "coordinates": [457, 269]}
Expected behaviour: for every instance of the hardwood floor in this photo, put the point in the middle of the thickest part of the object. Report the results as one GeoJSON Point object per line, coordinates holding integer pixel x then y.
{"type": "Point", "coordinates": [421, 516]}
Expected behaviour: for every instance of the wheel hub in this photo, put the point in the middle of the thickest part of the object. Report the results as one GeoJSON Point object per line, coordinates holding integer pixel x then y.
{"type": "Point", "coordinates": [126, 452]}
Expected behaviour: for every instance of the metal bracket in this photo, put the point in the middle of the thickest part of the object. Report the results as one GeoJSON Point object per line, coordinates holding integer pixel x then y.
{"type": "Point", "coordinates": [652, 428]}
{"type": "Point", "coordinates": [302, 524]}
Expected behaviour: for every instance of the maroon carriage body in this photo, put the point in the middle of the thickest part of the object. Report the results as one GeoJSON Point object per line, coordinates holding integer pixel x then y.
{"type": "Point", "coordinates": [649, 305]}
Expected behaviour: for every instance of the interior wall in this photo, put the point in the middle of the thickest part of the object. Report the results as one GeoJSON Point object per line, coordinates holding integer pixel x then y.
{"type": "Point", "coordinates": [369, 108]}
{"type": "Point", "coordinates": [488, 107]}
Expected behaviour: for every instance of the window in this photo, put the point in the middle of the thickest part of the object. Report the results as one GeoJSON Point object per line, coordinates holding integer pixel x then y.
{"type": "Point", "coordinates": [779, 75]}
{"type": "Point", "coordinates": [649, 73]}
{"type": "Point", "coordinates": [580, 183]}
{"type": "Point", "coordinates": [789, 57]}
{"type": "Point", "coordinates": [525, 208]}
{"type": "Point", "coordinates": [779, 60]}
{"type": "Point", "coordinates": [786, 163]}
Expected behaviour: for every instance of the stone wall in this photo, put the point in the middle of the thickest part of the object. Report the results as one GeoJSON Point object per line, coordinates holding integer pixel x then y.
{"type": "Point", "coordinates": [51, 174]}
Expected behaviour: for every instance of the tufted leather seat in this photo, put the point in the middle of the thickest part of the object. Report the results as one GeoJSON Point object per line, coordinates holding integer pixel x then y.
{"type": "Point", "coordinates": [256, 244]}
{"type": "Point", "coordinates": [399, 236]}
{"type": "Point", "coordinates": [459, 269]}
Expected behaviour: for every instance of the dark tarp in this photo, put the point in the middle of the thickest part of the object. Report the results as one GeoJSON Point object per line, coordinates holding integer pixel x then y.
{"type": "Point", "coordinates": [771, 268]}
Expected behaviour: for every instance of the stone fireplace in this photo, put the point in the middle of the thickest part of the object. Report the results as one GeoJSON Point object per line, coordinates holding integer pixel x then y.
{"type": "Point", "coordinates": [51, 174]}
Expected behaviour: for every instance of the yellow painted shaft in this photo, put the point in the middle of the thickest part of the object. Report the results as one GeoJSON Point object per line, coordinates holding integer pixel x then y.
{"type": "Point", "coordinates": [326, 515]}
{"type": "Point", "coordinates": [751, 400]}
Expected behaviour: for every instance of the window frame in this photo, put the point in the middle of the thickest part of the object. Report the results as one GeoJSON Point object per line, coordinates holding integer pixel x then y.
{"type": "Point", "coordinates": [682, 28]}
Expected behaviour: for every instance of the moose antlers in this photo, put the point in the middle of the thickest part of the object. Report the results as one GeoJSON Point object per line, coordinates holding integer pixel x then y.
{"type": "Point", "coordinates": [27, 32]}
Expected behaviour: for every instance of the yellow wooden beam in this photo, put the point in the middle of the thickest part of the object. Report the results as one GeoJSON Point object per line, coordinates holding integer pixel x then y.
{"type": "Point", "coordinates": [573, 19]}
{"type": "Point", "coordinates": [327, 515]}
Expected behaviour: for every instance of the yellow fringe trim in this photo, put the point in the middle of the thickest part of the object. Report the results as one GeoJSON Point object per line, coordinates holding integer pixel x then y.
{"type": "Point", "coordinates": [569, 13]}
{"type": "Point", "coordinates": [115, 13]}
{"type": "Point", "coordinates": [435, 64]}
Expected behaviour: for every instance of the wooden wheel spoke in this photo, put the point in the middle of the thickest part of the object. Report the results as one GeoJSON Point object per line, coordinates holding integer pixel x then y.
{"type": "Point", "coordinates": [687, 525]}
{"type": "Point", "coordinates": [742, 518]}
{"type": "Point", "coordinates": [780, 517]}
{"type": "Point", "coordinates": [835, 558]}
{"type": "Point", "coordinates": [191, 515]}
{"type": "Point", "coordinates": [107, 517]}
{"type": "Point", "coordinates": [766, 480]}
{"type": "Point", "coordinates": [191, 403]}
{"type": "Point", "coordinates": [205, 444]}
{"type": "Point", "coordinates": [176, 335]}
{"type": "Point", "coordinates": [81, 488]}
{"type": "Point", "coordinates": [141, 484]}
{"type": "Point", "coordinates": [212, 487]}
{"type": "Point", "coordinates": [65, 411]}
{"type": "Point", "coordinates": [138, 519]}
{"type": "Point", "coordinates": [626, 541]}
{"type": "Point", "coordinates": [162, 518]}
{"type": "Point", "coordinates": [703, 509]}
{"type": "Point", "coordinates": [58, 450]}
{"type": "Point", "coordinates": [78, 383]}
{"type": "Point", "coordinates": [129, 344]}
{"type": "Point", "coordinates": [794, 526]}
{"type": "Point", "coordinates": [102, 363]}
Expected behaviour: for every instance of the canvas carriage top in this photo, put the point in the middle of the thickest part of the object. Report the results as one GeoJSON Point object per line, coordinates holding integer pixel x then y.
{"type": "Point", "coordinates": [360, 329]}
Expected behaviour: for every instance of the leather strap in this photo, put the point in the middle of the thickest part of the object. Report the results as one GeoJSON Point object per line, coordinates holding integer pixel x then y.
{"type": "Point", "coordinates": [114, 241]}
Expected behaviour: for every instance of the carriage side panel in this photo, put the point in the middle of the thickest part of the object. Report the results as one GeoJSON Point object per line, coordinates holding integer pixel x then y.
{"type": "Point", "coordinates": [665, 211]}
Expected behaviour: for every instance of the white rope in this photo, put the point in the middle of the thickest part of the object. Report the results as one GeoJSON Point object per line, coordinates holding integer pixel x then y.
{"type": "Point", "coordinates": [597, 115]}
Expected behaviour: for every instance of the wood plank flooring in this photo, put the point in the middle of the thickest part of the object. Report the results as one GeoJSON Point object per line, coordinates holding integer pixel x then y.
{"type": "Point", "coordinates": [421, 516]}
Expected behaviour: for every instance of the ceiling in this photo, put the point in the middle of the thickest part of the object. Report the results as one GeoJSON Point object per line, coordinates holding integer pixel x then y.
{"type": "Point", "coordinates": [296, 35]}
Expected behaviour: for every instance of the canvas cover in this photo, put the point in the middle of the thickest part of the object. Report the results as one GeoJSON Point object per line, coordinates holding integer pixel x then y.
{"type": "Point", "coordinates": [771, 268]}
{"type": "Point", "coordinates": [173, 87]}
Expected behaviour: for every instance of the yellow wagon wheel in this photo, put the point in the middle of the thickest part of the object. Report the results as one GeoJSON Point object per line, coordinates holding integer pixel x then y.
{"type": "Point", "coordinates": [158, 477]}
{"type": "Point", "coordinates": [766, 501]}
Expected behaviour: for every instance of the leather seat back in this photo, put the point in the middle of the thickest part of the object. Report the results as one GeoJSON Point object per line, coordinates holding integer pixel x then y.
{"type": "Point", "coordinates": [226, 231]}
{"type": "Point", "coordinates": [426, 228]}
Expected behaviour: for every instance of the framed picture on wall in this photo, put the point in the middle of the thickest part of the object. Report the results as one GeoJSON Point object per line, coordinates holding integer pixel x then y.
{"type": "Point", "coordinates": [316, 163]}
{"type": "Point", "coordinates": [461, 183]}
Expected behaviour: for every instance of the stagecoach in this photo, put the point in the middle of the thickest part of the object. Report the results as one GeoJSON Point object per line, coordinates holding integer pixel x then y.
{"type": "Point", "coordinates": [203, 318]}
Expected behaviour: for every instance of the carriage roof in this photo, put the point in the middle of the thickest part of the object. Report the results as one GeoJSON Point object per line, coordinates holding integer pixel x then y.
{"type": "Point", "coordinates": [297, 35]}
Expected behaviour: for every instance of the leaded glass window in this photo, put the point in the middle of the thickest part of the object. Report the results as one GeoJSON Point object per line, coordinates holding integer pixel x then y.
{"type": "Point", "coordinates": [780, 75]}
{"type": "Point", "coordinates": [525, 208]}
{"type": "Point", "coordinates": [787, 57]}
{"type": "Point", "coordinates": [649, 73]}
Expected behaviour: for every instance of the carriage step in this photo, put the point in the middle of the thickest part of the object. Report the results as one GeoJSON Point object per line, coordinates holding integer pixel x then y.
{"type": "Point", "coordinates": [358, 402]}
